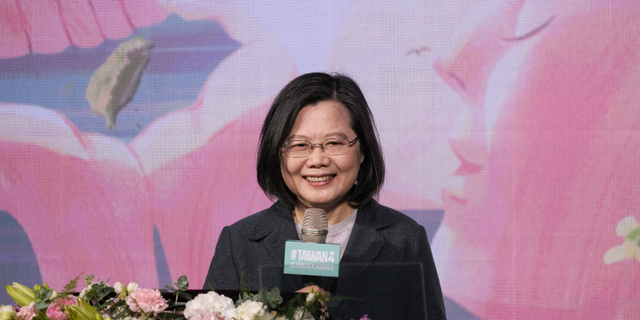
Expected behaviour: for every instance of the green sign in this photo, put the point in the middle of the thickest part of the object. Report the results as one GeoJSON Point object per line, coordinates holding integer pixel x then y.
{"type": "Point", "coordinates": [312, 259]}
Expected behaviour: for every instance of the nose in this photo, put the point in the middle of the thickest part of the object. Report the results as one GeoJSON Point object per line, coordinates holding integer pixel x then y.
{"type": "Point", "coordinates": [468, 141]}
{"type": "Point", "coordinates": [317, 158]}
{"type": "Point", "coordinates": [466, 62]}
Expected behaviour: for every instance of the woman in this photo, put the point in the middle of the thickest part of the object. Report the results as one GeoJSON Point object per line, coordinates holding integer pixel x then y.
{"type": "Point", "coordinates": [319, 149]}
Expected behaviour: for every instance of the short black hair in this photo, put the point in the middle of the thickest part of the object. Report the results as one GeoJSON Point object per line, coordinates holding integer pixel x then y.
{"type": "Point", "coordinates": [310, 89]}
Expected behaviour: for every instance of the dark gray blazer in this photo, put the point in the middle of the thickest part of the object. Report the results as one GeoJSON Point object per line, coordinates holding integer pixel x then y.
{"type": "Point", "coordinates": [386, 261]}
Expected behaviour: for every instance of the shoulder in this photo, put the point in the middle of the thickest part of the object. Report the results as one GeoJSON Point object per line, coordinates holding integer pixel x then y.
{"type": "Point", "coordinates": [404, 239]}
{"type": "Point", "coordinates": [276, 215]}
{"type": "Point", "coordinates": [383, 217]}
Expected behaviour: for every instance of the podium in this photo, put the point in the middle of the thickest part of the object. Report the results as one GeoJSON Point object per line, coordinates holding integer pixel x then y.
{"type": "Point", "coordinates": [380, 290]}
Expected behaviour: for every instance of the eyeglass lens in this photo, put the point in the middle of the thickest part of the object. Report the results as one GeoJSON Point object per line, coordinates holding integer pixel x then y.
{"type": "Point", "coordinates": [302, 148]}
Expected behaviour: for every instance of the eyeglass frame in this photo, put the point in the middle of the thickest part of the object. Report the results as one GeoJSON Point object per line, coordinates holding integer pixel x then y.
{"type": "Point", "coordinates": [311, 145]}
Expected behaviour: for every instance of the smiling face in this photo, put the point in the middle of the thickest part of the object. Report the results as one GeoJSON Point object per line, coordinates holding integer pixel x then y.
{"type": "Point", "coordinates": [320, 180]}
{"type": "Point", "coordinates": [547, 140]}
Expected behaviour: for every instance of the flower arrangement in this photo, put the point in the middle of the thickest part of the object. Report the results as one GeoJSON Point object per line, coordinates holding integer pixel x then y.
{"type": "Point", "coordinates": [100, 301]}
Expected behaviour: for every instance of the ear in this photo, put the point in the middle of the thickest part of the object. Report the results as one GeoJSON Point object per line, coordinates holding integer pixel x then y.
{"type": "Point", "coordinates": [361, 158]}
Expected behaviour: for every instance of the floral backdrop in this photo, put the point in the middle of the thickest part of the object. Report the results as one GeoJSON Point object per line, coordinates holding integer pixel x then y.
{"type": "Point", "coordinates": [511, 130]}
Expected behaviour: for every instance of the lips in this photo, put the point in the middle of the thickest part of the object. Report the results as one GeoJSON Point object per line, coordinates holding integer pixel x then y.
{"type": "Point", "coordinates": [454, 189]}
{"type": "Point", "coordinates": [318, 178]}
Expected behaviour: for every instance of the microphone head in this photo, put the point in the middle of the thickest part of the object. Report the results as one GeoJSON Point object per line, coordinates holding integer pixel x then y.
{"type": "Point", "coordinates": [314, 226]}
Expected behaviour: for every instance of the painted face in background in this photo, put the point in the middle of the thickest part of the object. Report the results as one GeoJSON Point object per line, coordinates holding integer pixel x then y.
{"type": "Point", "coordinates": [549, 146]}
{"type": "Point", "coordinates": [320, 180]}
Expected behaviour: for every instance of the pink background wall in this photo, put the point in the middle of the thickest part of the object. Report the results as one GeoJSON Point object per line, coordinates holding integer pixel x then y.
{"type": "Point", "coordinates": [520, 120]}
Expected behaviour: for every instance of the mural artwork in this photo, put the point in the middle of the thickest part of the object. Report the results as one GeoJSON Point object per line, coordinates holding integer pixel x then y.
{"type": "Point", "coordinates": [511, 130]}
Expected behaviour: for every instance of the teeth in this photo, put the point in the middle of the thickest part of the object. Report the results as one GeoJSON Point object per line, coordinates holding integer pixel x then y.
{"type": "Point", "coordinates": [318, 179]}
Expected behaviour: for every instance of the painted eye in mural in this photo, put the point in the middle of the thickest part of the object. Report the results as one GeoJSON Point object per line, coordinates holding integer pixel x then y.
{"type": "Point", "coordinates": [532, 32]}
{"type": "Point", "coordinates": [418, 51]}
{"type": "Point", "coordinates": [114, 83]}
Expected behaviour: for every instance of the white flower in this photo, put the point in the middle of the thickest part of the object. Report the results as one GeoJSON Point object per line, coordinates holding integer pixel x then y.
{"type": "Point", "coordinates": [626, 225]}
{"type": "Point", "coordinates": [210, 306]}
{"type": "Point", "coordinates": [123, 291]}
{"type": "Point", "coordinates": [119, 288]}
{"type": "Point", "coordinates": [132, 287]}
{"type": "Point", "coordinates": [629, 249]}
{"type": "Point", "coordinates": [250, 310]}
{"type": "Point", "coordinates": [7, 313]}
{"type": "Point", "coordinates": [311, 297]}
{"type": "Point", "coordinates": [88, 287]}
{"type": "Point", "coordinates": [7, 309]}
{"type": "Point", "coordinates": [302, 314]}
{"type": "Point", "coordinates": [84, 291]}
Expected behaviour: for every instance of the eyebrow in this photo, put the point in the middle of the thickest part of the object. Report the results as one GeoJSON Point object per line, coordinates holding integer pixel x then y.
{"type": "Point", "coordinates": [531, 33]}
{"type": "Point", "coordinates": [327, 136]}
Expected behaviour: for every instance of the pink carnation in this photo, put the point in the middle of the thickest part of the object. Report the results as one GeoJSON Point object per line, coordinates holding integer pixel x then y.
{"type": "Point", "coordinates": [146, 300]}
{"type": "Point", "coordinates": [27, 312]}
{"type": "Point", "coordinates": [54, 311]}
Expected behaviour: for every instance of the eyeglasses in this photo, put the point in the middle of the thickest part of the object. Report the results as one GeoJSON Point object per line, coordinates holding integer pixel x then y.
{"type": "Point", "coordinates": [331, 147]}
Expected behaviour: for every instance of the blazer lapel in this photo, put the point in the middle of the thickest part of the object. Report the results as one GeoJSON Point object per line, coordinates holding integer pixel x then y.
{"type": "Point", "coordinates": [363, 247]}
{"type": "Point", "coordinates": [273, 234]}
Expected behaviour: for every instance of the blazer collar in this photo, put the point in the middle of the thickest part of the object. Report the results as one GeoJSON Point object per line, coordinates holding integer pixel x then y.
{"type": "Point", "coordinates": [273, 232]}
{"type": "Point", "coordinates": [363, 247]}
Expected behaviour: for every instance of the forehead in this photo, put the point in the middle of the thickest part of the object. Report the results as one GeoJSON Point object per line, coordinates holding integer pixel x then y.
{"type": "Point", "coordinates": [324, 119]}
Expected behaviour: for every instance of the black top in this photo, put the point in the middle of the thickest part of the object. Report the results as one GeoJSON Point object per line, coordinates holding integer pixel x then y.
{"type": "Point", "coordinates": [387, 268]}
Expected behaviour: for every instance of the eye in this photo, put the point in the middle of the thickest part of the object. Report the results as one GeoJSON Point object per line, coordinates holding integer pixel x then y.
{"type": "Point", "coordinates": [335, 142]}
{"type": "Point", "coordinates": [298, 144]}
{"type": "Point", "coordinates": [531, 33]}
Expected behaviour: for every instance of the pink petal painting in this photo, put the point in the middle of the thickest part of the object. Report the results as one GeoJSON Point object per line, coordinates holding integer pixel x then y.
{"type": "Point", "coordinates": [519, 119]}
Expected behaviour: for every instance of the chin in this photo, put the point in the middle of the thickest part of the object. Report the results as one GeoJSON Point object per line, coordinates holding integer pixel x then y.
{"type": "Point", "coordinates": [321, 203]}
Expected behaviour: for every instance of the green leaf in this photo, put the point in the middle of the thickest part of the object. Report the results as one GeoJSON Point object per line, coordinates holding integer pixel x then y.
{"type": "Point", "coordinates": [71, 286]}
{"type": "Point", "coordinates": [243, 285]}
{"type": "Point", "coordinates": [41, 316]}
{"type": "Point", "coordinates": [88, 280]}
{"type": "Point", "coordinates": [211, 288]}
{"type": "Point", "coordinates": [182, 283]}
{"type": "Point", "coordinates": [43, 293]}
{"type": "Point", "coordinates": [185, 295]}
{"type": "Point", "coordinates": [634, 235]}
{"type": "Point", "coordinates": [41, 305]}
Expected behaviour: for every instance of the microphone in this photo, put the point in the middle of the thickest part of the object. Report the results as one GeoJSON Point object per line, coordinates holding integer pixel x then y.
{"type": "Point", "coordinates": [312, 257]}
{"type": "Point", "coordinates": [314, 226]}
{"type": "Point", "coordinates": [314, 230]}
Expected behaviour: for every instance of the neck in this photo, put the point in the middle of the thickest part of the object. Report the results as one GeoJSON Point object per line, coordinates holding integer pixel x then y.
{"type": "Point", "coordinates": [334, 214]}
